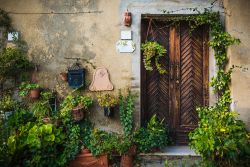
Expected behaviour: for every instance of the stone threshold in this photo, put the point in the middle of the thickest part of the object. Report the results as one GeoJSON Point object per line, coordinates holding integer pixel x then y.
{"type": "Point", "coordinates": [174, 151]}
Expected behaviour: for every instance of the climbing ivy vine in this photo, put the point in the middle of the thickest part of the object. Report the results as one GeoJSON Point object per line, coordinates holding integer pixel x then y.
{"type": "Point", "coordinates": [220, 137]}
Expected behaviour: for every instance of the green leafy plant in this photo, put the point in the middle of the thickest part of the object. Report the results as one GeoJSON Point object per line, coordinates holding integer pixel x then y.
{"type": "Point", "coordinates": [5, 20]}
{"type": "Point", "coordinates": [34, 144]}
{"type": "Point", "coordinates": [220, 137]}
{"type": "Point", "coordinates": [155, 136]}
{"type": "Point", "coordinates": [25, 87]}
{"type": "Point", "coordinates": [102, 142]}
{"type": "Point", "coordinates": [107, 100]}
{"type": "Point", "coordinates": [13, 61]}
{"type": "Point", "coordinates": [153, 51]}
{"type": "Point", "coordinates": [71, 145]}
{"type": "Point", "coordinates": [72, 101]}
{"type": "Point", "coordinates": [41, 109]}
{"type": "Point", "coordinates": [126, 108]}
{"type": "Point", "coordinates": [7, 103]}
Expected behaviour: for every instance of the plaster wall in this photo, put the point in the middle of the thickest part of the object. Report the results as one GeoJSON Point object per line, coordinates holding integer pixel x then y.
{"type": "Point", "coordinates": [238, 25]}
{"type": "Point", "coordinates": [92, 36]}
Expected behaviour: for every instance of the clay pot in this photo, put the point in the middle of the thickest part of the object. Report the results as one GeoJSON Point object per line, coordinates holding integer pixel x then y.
{"type": "Point", "coordinates": [127, 160]}
{"type": "Point", "coordinates": [46, 120]}
{"type": "Point", "coordinates": [127, 18]}
{"type": "Point", "coordinates": [85, 151]}
{"type": "Point", "coordinates": [64, 76]}
{"type": "Point", "coordinates": [34, 93]}
{"type": "Point", "coordinates": [77, 113]}
{"type": "Point", "coordinates": [88, 160]}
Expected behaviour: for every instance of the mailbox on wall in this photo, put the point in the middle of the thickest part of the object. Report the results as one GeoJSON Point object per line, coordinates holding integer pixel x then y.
{"type": "Point", "coordinates": [76, 76]}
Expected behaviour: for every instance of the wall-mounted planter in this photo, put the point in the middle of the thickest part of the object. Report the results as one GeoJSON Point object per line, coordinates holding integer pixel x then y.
{"type": "Point", "coordinates": [77, 113]}
{"type": "Point", "coordinates": [34, 93]}
{"type": "Point", "coordinates": [76, 76]}
{"type": "Point", "coordinates": [108, 111]}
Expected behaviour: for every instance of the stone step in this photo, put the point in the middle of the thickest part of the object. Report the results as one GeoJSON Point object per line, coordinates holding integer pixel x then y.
{"type": "Point", "coordinates": [171, 156]}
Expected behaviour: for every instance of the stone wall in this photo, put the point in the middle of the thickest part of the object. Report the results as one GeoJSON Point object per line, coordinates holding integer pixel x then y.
{"type": "Point", "coordinates": [59, 29]}
{"type": "Point", "coordinates": [238, 25]}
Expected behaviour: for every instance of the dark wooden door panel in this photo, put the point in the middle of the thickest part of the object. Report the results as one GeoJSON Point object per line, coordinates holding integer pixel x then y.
{"type": "Point", "coordinates": [174, 96]}
{"type": "Point", "coordinates": [192, 63]}
{"type": "Point", "coordinates": [156, 86]}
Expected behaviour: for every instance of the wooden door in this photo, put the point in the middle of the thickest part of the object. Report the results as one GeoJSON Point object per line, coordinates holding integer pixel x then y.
{"type": "Point", "coordinates": [175, 95]}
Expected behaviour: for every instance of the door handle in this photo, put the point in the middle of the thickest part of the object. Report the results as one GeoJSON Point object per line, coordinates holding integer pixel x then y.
{"type": "Point", "coordinates": [172, 71]}
{"type": "Point", "coordinates": [177, 74]}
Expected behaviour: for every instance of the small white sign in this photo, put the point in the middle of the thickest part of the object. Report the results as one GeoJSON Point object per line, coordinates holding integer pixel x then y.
{"type": "Point", "coordinates": [13, 36]}
{"type": "Point", "coordinates": [125, 46]}
{"type": "Point", "coordinates": [126, 34]}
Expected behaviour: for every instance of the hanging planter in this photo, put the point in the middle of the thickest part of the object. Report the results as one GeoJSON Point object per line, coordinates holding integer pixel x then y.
{"type": "Point", "coordinates": [108, 102]}
{"type": "Point", "coordinates": [34, 93]}
{"type": "Point", "coordinates": [152, 52]}
{"type": "Point", "coordinates": [31, 90]}
{"type": "Point", "coordinates": [109, 111]}
{"type": "Point", "coordinates": [78, 113]}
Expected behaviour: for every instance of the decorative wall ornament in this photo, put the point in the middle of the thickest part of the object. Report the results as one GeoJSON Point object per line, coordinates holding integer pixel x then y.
{"type": "Point", "coordinates": [101, 81]}
{"type": "Point", "coordinates": [127, 18]}
{"type": "Point", "coordinates": [125, 46]}
{"type": "Point", "coordinates": [126, 34]}
{"type": "Point", "coordinates": [12, 36]}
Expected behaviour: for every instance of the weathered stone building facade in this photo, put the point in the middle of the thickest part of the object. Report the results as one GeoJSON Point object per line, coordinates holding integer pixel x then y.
{"type": "Point", "coordinates": [89, 29]}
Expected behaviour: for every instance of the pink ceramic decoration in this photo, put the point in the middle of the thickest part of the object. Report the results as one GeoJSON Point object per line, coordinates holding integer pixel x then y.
{"type": "Point", "coordinates": [101, 80]}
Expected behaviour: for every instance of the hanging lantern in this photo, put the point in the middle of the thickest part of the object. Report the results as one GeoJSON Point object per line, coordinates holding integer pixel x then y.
{"type": "Point", "coordinates": [76, 76]}
{"type": "Point", "coordinates": [127, 18]}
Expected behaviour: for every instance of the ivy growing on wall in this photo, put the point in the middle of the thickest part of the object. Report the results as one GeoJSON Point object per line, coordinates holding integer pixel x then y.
{"type": "Point", "coordinates": [220, 138]}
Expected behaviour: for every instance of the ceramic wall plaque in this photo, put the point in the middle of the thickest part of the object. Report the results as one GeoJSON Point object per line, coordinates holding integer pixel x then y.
{"type": "Point", "coordinates": [125, 46]}
{"type": "Point", "coordinates": [126, 34]}
{"type": "Point", "coordinates": [101, 81]}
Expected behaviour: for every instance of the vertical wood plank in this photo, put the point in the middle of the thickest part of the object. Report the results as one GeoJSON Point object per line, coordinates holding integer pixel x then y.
{"type": "Point", "coordinates": [171, 80]}
{"type": "Point", "coordinates": [178, 75]}
{"type": "Point", "coordinates": [206, 65]}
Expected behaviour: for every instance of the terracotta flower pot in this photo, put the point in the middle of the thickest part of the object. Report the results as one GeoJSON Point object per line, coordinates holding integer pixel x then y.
{"type": "Point", "coordinates": [46, 120]}
{"type": "Point", "coordinates": [85, 151]}
{"type": "Point", "coordinates": [64, 76]}
{"type": "Point", "coordinates": [127, 160]}
{"type": "Point", "coordinates": [88, 160]}
{"type": "Point", "coordinates": [77, 113]}
{"type": "Point", "coordinates": [34, 93]}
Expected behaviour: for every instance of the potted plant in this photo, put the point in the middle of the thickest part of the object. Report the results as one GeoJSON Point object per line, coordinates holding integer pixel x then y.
{"type": "Point", "coordinates": [101, 144]}
{"type": "Point", "coordinates": [41, 110]}
{"type": "Point", "coordinates": [153, 137]}
{"type": "Point", "coordinates": [51, 98]}
{"type": "Point", "coordinates": [108, 102]}
{"type": "Point", "coordinates": [13, 61]}
{"type": "Point", "coordinates": [33, 90]}
{"type": "Point", "coordinates": [7, 103]}
{"type": "Point", "coordinates": [76, 105]}
{"type": "Point", "coordinates": [153, 51]}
